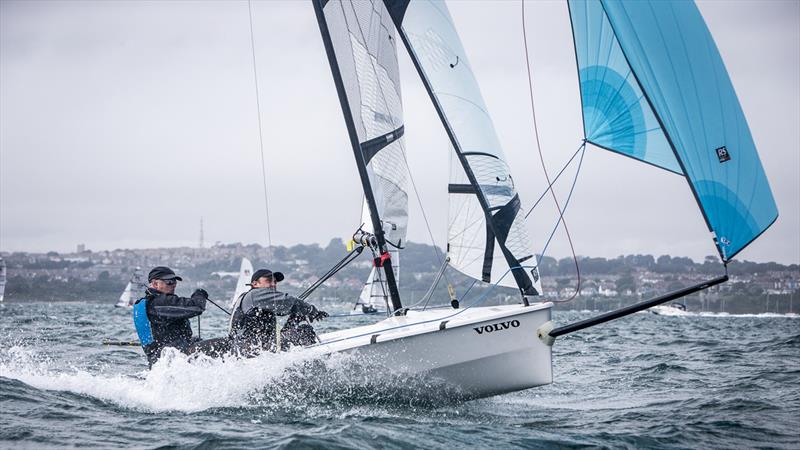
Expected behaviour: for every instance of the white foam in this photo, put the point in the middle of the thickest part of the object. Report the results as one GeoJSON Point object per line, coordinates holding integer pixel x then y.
{"type": "Point", "coordinates": [761, 315]}
{"type": "Point", "coordinates": [175, 383]}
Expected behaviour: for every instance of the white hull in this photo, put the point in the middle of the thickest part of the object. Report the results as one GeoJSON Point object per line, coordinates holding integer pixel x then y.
{"type": "Point", "coordinates": [505, 356]}
{"type": "Point", "coordinates": [666, 310]}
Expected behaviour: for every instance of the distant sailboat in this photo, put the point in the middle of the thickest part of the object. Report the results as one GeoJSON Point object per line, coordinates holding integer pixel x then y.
{"type": "Point", "coordinates": [2, 279]}
{"type": "Point", "coordinates": [671, 309]}
{"type": "Point", "coordinates": [135, 285]}
{"type": "Point", "coordinates": [245, 272]}
{"type": "Point", "coordinates": [374, 296]}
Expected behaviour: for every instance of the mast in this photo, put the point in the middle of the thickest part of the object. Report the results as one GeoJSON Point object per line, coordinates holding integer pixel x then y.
{"type": "Point", "coordinates": [384, 260]}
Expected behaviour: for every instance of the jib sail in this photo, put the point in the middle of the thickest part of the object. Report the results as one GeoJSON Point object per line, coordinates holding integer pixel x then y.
{"type": "Point", "coordinates": [487, 233]}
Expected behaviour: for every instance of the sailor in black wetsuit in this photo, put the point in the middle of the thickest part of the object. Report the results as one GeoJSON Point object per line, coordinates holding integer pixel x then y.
{"type": "Point", "coordinates": [254, 322]}
{"type": "Point", "coordinates": [162, 318]}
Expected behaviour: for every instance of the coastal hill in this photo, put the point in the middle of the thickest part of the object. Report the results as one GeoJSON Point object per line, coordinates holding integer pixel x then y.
{"type": "Point", "coordinates": [100, 276]}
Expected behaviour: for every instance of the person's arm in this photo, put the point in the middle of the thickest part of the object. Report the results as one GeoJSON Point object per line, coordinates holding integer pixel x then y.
{"type": "Point", "coordinates": [172, 307]}
{"type": "Point", "coordinates": [283, 304]}
{"type": "Point", "coordinates": [304, 309]}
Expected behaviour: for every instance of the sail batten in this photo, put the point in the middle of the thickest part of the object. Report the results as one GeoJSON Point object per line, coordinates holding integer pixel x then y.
{"type": "Point", "coordinates": [663, 68]}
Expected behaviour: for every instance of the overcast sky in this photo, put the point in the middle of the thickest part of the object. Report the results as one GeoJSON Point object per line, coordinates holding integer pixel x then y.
{"type": "Point", "coordinates": [123, 123]}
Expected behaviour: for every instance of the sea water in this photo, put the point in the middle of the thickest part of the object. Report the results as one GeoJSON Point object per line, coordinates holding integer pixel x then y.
{"type": "Point", "coordinates": [644, 381]}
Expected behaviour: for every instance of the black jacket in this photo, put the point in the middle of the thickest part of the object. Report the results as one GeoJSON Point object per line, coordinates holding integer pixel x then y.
{"type": "Point", "coordinates": [169, 319]}
{"type": "Point", "coordinates": [254, 321]}
{"type": "Point", "coordinates": [276, 302]}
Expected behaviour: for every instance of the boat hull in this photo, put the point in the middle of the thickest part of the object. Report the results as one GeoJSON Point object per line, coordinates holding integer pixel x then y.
{"type": "Point", "coordinates": [481, 351]}
{"type": "Point", "coordinates": [667, 310]}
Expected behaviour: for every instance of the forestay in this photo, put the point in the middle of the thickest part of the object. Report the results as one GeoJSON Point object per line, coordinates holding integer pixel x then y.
{"type": "Point", "coordinates": [653, 83]}
{"type": "Point", "coordinates": [487, 233]}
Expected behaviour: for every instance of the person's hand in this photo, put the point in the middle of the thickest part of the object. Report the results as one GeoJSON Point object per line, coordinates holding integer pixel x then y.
{"type": "Point", "coordinates": [317, 315]}
{"type": "Point", "coordinates": [200, 293]}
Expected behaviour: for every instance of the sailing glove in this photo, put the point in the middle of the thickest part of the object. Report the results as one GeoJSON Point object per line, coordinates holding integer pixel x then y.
{"type": "Point", "coordinates": [200, 292]}
{"type": "Point", "coordinates": [317, 315]}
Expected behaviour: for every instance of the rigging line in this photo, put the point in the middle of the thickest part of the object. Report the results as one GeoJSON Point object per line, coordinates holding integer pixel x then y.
{"type": "Point", "coordinates": [425, 217]}
{"type": "Point", "coordinates": [350, 257]}
{"type": "Point", "coordinates": [539, 148]}
{"type": "Point", "coordinates": [561, 217]}
{"type": "Point", "coordinates": [380, 283]}
{"type": "Point", "coordinates": [464, 297]}
{"type": "Point", "coordinates": [554, 180]}
{"type": "Point", "coordinates": [260, 131]}
{"type": "Point", "coordinates": [436, 279]}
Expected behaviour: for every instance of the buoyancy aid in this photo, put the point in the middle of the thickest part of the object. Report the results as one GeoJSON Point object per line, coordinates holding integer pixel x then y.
{"type": "Point", "coordinates": [144, 329]}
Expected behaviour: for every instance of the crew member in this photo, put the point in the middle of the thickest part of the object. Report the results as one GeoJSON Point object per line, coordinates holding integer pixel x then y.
{"type": "Point", "coordinates": [254, 321]}
{"type": "Point", "coordinates": [162, 318]}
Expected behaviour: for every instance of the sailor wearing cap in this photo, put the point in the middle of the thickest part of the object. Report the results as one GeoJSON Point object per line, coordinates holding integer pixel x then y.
{"type": "Point", "coordinates": [162, 318]}
{"type": "Point", "coordinates": [253, 321]}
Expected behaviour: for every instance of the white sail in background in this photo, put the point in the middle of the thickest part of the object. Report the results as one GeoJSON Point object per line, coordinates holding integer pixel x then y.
{"type": "Point", "coordinates": [2, 279]}
{"type": "Point", "coordinates": [375, 293]}
{"type": "Point", "coordinates": [245, 272]}
{"type": "Point", "coordinates": [134, 288]}
{"type": "Point", "coordinates": [126, 297]}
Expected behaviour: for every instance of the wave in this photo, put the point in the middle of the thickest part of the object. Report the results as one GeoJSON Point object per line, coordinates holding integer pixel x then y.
{"type": "Point", "coordinates": [285, 381]}
{"type": "Point", "coordinates": [725, 314]}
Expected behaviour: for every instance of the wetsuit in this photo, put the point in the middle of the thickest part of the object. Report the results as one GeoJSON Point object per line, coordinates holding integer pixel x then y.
{"type": "Point", "coordinates": [163, 321]}
{"type": "Point", "coordinates": [254, 321]}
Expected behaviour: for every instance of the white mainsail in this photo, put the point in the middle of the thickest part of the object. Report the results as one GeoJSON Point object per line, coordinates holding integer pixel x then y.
{"type": "Point", "coordinates": [363, 39]}
{"type": "Point", "coordinates": [245, 272]}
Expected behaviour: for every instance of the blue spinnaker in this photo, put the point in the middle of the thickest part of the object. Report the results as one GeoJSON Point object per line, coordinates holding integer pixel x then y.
{"type": "Point", "coordinates": [651, 74]}
{"type": "Point", "coordinates": [616, 115]}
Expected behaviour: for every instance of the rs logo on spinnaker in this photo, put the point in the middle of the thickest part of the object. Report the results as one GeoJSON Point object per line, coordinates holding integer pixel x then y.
{"type": "Point", "coordinates": [500, 326]}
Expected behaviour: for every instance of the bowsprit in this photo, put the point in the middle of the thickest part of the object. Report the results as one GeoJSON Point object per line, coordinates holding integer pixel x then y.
{"type": "Point", "coordinates": [500, 326]}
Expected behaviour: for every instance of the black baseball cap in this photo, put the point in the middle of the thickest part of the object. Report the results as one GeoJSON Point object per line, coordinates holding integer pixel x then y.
{"type": "Point", "coordinates": [277, 276]}
{"type": "Point", "coordinates": [162, 273]}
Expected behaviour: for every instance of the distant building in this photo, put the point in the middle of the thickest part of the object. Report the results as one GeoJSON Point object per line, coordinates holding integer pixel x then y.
{"type": "Point", "coordinates": [81, 248]}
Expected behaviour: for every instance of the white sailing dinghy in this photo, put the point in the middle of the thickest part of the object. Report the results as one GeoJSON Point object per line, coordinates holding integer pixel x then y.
{"type": "Point", "coordinates": [482, 350]}
{"type": "Point", "coordinates": [374, 296]}
{"type": "Point", "coordinates": [647, 92]}
{"type": "Point", "coordinates": [135, 286]}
